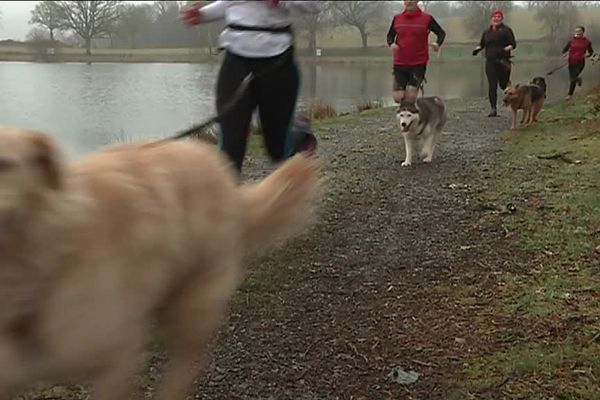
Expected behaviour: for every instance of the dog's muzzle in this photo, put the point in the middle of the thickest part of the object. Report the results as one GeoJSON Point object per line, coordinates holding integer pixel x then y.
{"type": "Point", "coordinates": [405, 126]}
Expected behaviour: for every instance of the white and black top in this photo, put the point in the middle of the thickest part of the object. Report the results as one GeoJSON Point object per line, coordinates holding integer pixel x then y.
{"type": "Point", "coordinates": [256, 29]}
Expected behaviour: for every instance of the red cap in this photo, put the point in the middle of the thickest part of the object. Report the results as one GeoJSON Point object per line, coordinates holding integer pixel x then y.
{"type": "Point", "coordinates": [497, 13]}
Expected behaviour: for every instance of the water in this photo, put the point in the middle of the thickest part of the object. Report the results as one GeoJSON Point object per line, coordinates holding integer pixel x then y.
{"type": "Point", "coordinates": [88, 106]}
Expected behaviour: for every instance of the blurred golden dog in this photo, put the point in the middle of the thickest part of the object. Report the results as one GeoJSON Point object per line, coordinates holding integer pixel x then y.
{"type": "Point", "coordinates": [94, 253]}
{"type": "Point", "coordinates": [529, 98]}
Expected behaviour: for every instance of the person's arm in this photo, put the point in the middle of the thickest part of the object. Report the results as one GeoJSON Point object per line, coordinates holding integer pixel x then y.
{"type": "Point", "coordinates": [437, 29]}
{"type": "Point", "coordinates": [213, 11]}
{"type": "Point", "coordinates": [589, 49]}
{"type": "Point", "coordinates": [481, 45]}
{"type": "Point", "coordinates": [306, 6]}
{"type": "Point", "coordinates": [566, 49]}
{"type": "Point", "coordinates": [391, 35]}
{"type": "Point", "coordinates": [512, 42]}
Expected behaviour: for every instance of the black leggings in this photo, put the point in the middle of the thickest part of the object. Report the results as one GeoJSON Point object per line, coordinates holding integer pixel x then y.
{"type": "Point", "coordinates": [274, 93]}
{"type": "Point", "coordinates": [498, 74]}
{"type": "Point", "coordinates": [574, 71]}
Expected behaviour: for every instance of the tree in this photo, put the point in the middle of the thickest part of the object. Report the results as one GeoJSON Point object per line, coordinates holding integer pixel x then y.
{"type": "Point", "coordinates": [558, 18]}
{"type": "Point", "coordinates": [37, 34]}
{"type": "Point", "coordinates": [89, 19]}
{"type": "Point", "coordinates": [311, 24]}
{"type": "Point", "coordinates": [134, 19]}
{"type": "Point", "coordinates": [439, 9]}
{"type": "Point", "coordinates": [166, 31]}
{"type": "Point", "coordinates": [360, 14]}
{"type": "Point", "coordinates": [48, 15]}
{"type": "Point", "coordinates": [478, 14]}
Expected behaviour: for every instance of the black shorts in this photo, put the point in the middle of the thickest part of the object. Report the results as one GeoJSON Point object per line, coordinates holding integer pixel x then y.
{"type": "Point", "coordinates": [408, 75]}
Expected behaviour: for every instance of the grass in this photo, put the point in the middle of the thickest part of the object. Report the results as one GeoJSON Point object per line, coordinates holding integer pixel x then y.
{"type": "Point", "coordinates": [551, 173]}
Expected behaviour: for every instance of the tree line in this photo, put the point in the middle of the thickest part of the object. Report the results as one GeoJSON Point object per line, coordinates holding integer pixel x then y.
{"type": "Point", "coordinates": [133, 25]}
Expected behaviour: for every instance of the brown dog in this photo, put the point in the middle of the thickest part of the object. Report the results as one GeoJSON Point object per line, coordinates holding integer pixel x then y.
{"type": "Point", "coordinates": [529, 98]}
{"type": "Point", "coordinates": [95, 253]}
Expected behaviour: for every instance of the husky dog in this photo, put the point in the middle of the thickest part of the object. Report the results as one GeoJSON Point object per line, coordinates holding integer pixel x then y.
{"type": "Point", "coordinates": [421, 120]}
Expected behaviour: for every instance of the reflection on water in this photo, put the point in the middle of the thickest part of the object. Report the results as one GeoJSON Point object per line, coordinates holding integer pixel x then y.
{"type": "Point", "coordinates": [88, 106]}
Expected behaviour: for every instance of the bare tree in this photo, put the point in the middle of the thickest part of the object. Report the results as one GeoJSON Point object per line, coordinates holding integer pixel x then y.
{"type": "Point", "coordinates": [477, 14]}
{"type": "Point", "coordinates": [311, 24]}
{"type": "Point", "coordinates": [37, 34]}
{"type": "Point", "coordinates": [89, 19]}
{"type": "Point", "coordinates": [133, 20]}
{"type": "Point", "coordinates": [361, 15]}
{"type": "Point", "coordinates": [439, 8]}
{"type": "Point", "coordinates": [47, 15]}
{"type": "Point", "coordinates": [166, 31]}
{"type": "Point", "coordinates": [559, 18]}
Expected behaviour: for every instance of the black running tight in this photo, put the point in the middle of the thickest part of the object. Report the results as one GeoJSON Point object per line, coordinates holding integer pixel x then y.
{"type": "Point", "coordinates": [574, 71]}
{"type": "Point", "coordinates": [274, 93]}
{"type": "Point", "coordinates": [498, 74]}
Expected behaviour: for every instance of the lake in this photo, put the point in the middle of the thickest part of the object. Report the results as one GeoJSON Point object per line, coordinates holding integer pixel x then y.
{"type": "Point", "coordinates": [88, 106]}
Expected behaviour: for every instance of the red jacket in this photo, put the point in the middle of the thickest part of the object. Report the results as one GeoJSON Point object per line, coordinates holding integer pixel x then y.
{"type": "Point", "coordinates": [410, 31]}
{"type": "Point", "coordinates": [577, 48]}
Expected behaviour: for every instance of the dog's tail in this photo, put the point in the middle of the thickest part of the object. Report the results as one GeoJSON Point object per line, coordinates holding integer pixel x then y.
{"type": "Point", "coordinates": [282, 204]}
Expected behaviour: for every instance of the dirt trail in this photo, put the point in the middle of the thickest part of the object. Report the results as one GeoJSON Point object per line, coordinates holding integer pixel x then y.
{"type": "Point", "coordinates": [331, 314]}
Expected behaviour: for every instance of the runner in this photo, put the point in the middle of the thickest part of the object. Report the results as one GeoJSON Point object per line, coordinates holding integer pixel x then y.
{"type": "Point", "coordinates": [257, 39]}
{"type": "Point", "coordinates": [408, 39]}
{"type": "Point", "coordinates": [498, 41]}
{"type": "Point", "coordinates": [577, 49]}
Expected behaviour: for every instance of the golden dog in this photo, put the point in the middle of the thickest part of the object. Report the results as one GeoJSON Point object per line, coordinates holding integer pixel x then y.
{"type": "Point", "coordinates": [93, 254]}
{"type": "Point", "coordinates": [529, 98]}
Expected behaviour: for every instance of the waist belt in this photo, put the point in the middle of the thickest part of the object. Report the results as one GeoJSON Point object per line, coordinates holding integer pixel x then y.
{"type": "Point", "coordinates": [272, 29]}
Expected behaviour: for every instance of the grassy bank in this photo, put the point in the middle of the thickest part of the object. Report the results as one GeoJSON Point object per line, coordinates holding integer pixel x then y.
{"type": "Point", "coordinates": [451, 52]}
{"type": "Point", "coordinates": [548, 185]}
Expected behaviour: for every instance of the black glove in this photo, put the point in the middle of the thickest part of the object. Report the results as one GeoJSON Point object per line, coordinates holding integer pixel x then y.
{"type": "Point", "coordinates": [475, 52]}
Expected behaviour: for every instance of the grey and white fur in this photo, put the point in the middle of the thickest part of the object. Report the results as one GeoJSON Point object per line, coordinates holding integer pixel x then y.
{"type": "Point", "coordinates": [421, 121]}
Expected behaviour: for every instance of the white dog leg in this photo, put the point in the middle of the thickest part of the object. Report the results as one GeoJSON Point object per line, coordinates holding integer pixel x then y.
{"type": "Point", "coordinates": [408, 147]}
{"type": "Point", "coordinates": [428, 147]}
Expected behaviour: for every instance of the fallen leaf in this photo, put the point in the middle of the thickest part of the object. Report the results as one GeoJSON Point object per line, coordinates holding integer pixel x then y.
{"type": "Point", "coordinates": [403, 377]}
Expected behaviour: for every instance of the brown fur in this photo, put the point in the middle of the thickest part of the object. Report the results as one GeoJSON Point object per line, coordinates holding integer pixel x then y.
{"type": "Point", "coordinates": [94, 253]}
{"type": "Point", "coordinates": [529, 98]}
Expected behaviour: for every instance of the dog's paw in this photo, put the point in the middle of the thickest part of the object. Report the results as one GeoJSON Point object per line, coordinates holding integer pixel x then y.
{"type": "Point", "coordinates": [427, 160]}
{"type": "Point", "coordinates": [406, 164]}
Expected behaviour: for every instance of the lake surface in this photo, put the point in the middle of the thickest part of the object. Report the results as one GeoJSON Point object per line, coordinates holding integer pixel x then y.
{"type": "Point", "coordinates": [88, 106]}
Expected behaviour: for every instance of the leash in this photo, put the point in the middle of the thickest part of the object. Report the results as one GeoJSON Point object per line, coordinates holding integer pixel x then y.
{"type": "Point", "coordinates": [421, 85]}
{"type": "Point", "coordinates": [556, 69]}
{"type": "Point", "coordinates": [241, 90]}
{"type": "Point", "coordinates": [237, 96]}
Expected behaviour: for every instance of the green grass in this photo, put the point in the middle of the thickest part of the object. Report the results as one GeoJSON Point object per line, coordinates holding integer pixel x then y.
{"type": "Point", "coordinates": [573, 365]}
{"type": "Point", "coordinates": [557, 225]}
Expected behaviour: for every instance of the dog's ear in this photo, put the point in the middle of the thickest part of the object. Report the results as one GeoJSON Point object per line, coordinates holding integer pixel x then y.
{"type": "Point", "coordinates": [517, 86]}
{"type": "Point", "coordinates": [46, 158]}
